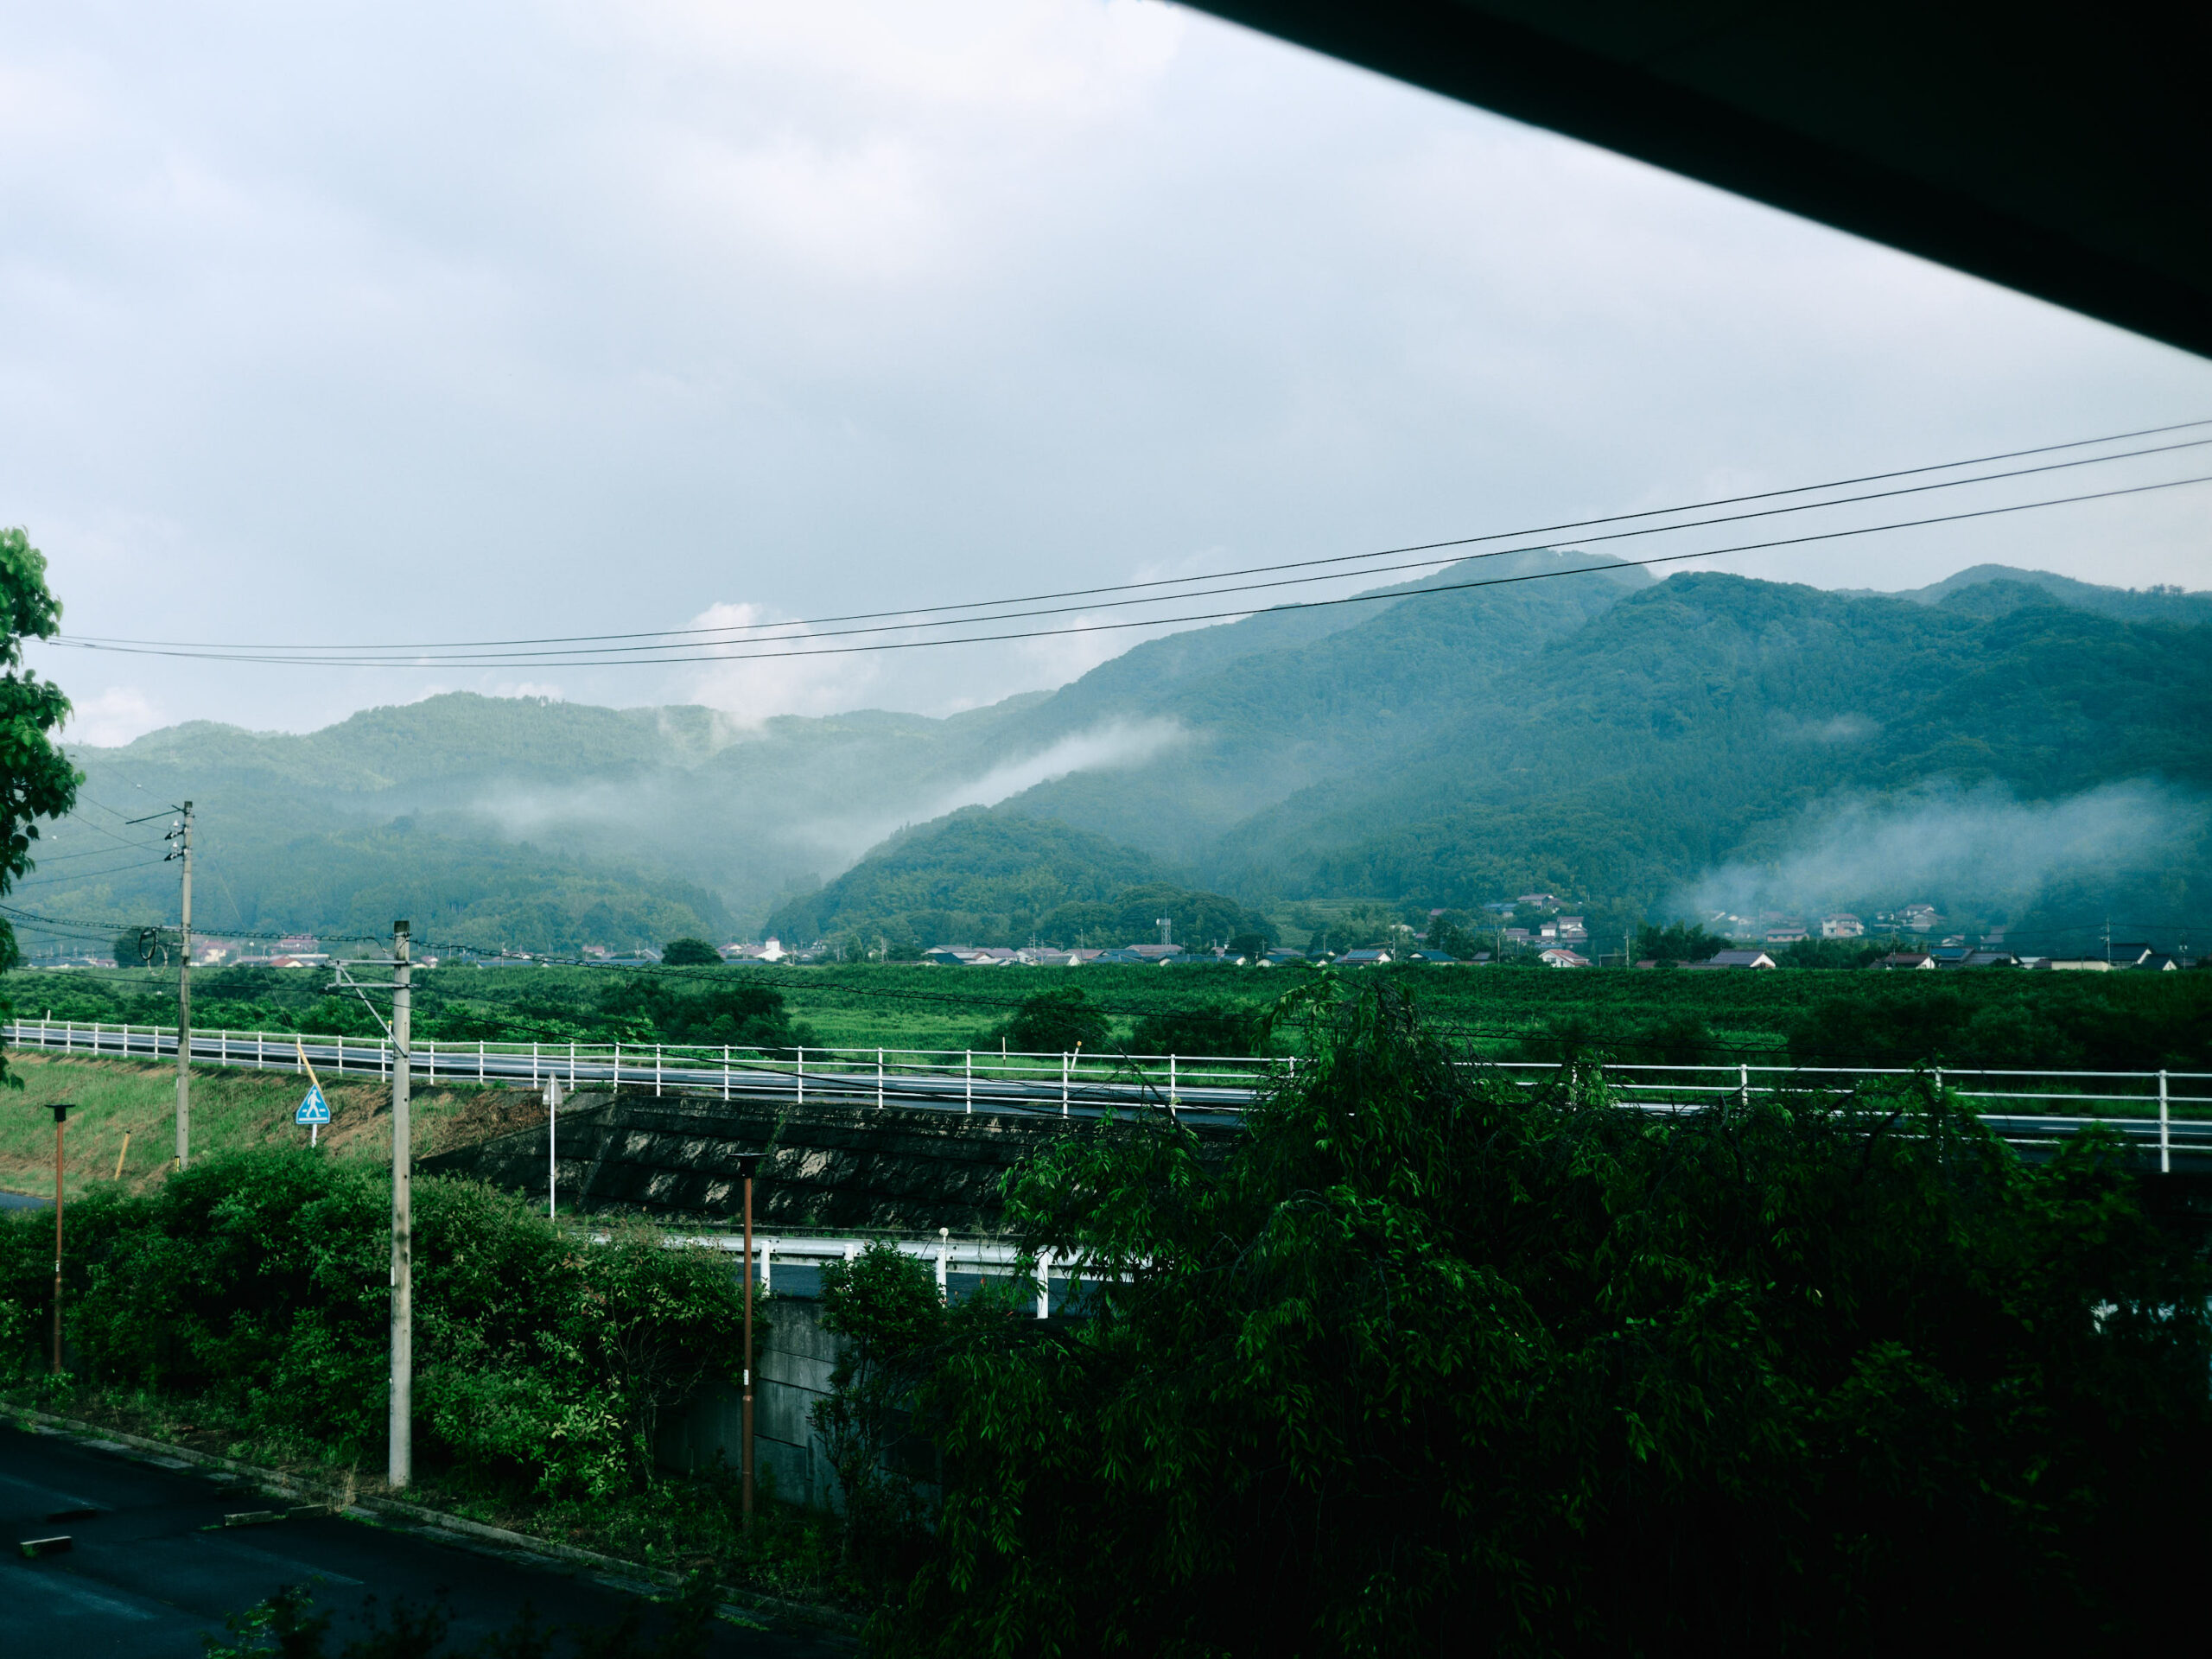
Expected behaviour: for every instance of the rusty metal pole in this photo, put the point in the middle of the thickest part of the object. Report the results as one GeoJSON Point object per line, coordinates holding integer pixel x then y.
{"type": "Point", "coordinates": [747, 1166]}
{"type": "Point", "coordinates": [60, 1114]}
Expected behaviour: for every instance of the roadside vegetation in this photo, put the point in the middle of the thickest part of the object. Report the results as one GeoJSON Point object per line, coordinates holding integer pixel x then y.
{"type": "Point", "coordinates": [1434, 1364]}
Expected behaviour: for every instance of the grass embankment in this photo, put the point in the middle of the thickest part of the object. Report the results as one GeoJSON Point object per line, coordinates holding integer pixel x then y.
{"type": "Point", "coordinates": [231, 1112]}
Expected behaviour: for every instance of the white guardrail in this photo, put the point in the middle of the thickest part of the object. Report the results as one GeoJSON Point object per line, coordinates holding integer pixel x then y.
{"type": "Point", "coordinates": [2020, 1103]}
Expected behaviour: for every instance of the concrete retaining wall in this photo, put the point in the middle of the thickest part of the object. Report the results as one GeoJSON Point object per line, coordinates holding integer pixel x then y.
{"type": "Point", "coordinates": [794, 1361]}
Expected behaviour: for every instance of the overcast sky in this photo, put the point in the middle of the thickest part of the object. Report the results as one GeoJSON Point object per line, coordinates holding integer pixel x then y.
{"type": "Point", "coordinates": [354, 322]}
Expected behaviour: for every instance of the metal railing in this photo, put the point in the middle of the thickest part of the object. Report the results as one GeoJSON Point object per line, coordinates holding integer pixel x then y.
{"type": "Point", "coordinates": [2175, 1107]}
{"type": "Point", "coordinates": [996, 1079]}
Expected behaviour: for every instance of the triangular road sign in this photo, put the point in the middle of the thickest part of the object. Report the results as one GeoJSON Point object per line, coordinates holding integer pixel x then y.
{"type": "Point", "coordinates": [315, 1108]}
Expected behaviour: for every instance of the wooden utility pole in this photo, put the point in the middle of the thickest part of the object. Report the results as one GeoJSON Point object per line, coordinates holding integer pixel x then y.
{"type": "Point", "coordinates": [399, 1468]}
{"type": "Point", "coordinates": [60, 1114]}
{"type": "Point", "coordinates": [184, 999]}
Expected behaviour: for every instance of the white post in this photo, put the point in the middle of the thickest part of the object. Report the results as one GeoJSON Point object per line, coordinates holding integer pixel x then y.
{"type": "Point", "coordinates": [1063, 1085]}
{"type": "Point", "coordinates": [480, 1059]}
{"type": "Point", "coordinates": [572, 1064]}
{"type": "Point", "coordinates": [431, 1044]}
{"type": "Point", "coordinates": [552, 1136]}
{"type": "Point", "coordinates": [533, 1066]}
{"type": "Point", "coordinates": [1044, 1284]}
{"type": "Point", "coordinates": [725, 1071]}
{"type": "Point", "coordinates": [258, 1043]}
{"type": "Point", "coordinates": [656, 1068]}
{"type": "Point", "coordinates": [2165, 1143]}
{"type": "Point", "coordinates": [1744, 1084]}
{"type": "Point", "coordinates": [879, 1079]}
{"type": "Point", "coordinates": [944, 1256]}
{"type": "Point", "coordinates": [1172, 1100]}
{"type": "Point", "coordinates": [801, 1074]}
{"type": "Point", "coordinates": [970, 1067]}
{"type": "Point", "coordinates": [617, 1065]}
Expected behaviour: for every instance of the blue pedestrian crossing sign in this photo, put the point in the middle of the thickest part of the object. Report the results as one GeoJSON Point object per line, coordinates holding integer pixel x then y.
{"type": "Point", "coordinates": [315, 1108]}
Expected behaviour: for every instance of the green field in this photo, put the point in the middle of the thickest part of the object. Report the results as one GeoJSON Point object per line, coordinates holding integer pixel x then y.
{"type": "Point", "coordinates": [2118, 1021]}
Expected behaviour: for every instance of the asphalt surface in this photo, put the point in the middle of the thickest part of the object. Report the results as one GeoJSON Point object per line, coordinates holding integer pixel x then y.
{"type": "Point", "coordinates": [152, 1569]}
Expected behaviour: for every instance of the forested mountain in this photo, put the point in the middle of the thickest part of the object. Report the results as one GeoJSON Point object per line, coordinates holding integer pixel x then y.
{"type": "Point", "coordinates": [2005, 744]}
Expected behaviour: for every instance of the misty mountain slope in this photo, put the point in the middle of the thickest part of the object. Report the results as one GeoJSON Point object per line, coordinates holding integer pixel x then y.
{"type": "Point", "coordinates": [1662, 737]}
{"type": "Point", "coordinates": [1262, 725]}
{"type": "Point", "coordinates": [667, 801]}
{"type": "Point", "coordinates": [974, 869]}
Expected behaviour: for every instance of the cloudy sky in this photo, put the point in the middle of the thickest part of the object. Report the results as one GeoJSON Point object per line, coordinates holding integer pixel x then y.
{"type": "Point", "coordinates": [354, 323]}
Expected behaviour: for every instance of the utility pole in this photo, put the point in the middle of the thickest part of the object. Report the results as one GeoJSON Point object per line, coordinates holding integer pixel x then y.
{"type": "Point", "coordinates": [400, 1462]}
{"type": "Point", "coordinates": [60, 1113]}
{"type": "Point", "coordinates": [183, 852]}
{"type": "Point", "coordinates": [747, 1166]}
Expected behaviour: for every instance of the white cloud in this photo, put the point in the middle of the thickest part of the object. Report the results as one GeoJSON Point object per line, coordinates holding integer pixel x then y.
{"type": "Point", "coordinates": [112, 717]}
{"type": "Point", "coordinates": [750, 686]}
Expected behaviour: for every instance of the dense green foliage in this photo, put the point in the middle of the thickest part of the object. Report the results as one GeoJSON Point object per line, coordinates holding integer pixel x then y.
{"type": "Point", "coordinates": [1058, 1021]}
{"type": "Point", "coordinates": [36, 780]}
{"type": "Point", "coordinates": [884, 1305]}
{"type": "Point", "coordinates": [1677, 943]}
{"type": "Point", "coordinates": [1429, 1364]}
{"type": "Point", "coordinates": [260, 1282]}
{"type": "Point", "coordinates": [690, 953]}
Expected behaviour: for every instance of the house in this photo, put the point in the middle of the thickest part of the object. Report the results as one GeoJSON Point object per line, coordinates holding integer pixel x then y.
{"type": "Point", "coordinates": [1906, 959]}
{"type": "Point", "coordinates": [1540, 901]}
{"type": "Point", "coordinates": [1372, 956]}
{"type": "Point", "coordinates": [1735, 959]}
{"type": "Point", "coordinates": [2129, 956]}
{"type": "Point", "coordinates": [1517, 935]}
{"type": "Point", "coordinates": [1919, 918]}
{"type": "Point", "coordinates": [1283, 959]}
{"type": "Point", "coordinates": [1843, 925]}
{"type": "Point", "coordinates": [1787, 933]}
{"type": "Point", "coordinates": [1561, 957]}
{"type": "Point", "coordinates": [2079, 964]}
{"type": "Point", "coordinates": [1439, 956]}
{"type": "Point", "coordinates": [1572, 929]}
{"type": "Point", "coordinates": [1649, 962]}
{"type": "Point", "coordinates": [1153, 952]}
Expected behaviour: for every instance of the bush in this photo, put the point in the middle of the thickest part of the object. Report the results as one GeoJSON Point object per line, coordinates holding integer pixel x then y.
{"type": "Point", "coordinates": [259, 1281]}
{"type": "Point", "coordinates": [1429, 1363]}
{"type": "Point", "coordinates": [1054, 1022]}
{"type": "Point", "coordinates": [690, 953]}
{"type": "Point", "coordinates": [1200, 1031]}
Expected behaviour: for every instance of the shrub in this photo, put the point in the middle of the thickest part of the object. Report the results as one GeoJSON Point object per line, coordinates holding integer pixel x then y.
{"type": "Point", "coordinates": [1431, 1363]}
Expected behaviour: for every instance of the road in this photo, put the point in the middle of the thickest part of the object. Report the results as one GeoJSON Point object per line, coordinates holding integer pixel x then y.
{"type": "Point", "coordinates": [153, 1569]}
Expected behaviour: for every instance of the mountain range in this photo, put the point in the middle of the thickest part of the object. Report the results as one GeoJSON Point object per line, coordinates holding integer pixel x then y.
{"type": "Point", "coordinates": [2009, 745]}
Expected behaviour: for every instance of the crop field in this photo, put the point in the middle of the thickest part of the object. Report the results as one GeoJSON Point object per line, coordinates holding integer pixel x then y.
{"type": "Point", "coordinates": [1995, 1018]}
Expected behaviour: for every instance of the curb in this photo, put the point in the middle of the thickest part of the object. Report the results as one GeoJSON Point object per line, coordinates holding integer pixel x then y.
{"type": "Point", "coordinates": [459, 1527]}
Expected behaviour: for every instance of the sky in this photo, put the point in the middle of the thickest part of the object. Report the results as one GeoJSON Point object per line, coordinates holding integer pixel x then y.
{"type": "Point", "coordinates": [358, 323]}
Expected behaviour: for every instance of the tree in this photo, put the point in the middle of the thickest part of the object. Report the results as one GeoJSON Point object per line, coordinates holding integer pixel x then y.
{"type": "Point", "coordinates": [1677, 943]}
{"type": "Point", "coordinates": [1055, 1022]}
{"type": "Point", "coordinates": [1427, 1362]}
{"type": "Point", "coordinates": [690, 953]}
{"type": "Point", "coordinates": [36, 780]}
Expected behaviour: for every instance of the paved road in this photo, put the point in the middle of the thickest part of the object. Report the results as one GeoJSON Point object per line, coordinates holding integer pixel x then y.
{"type": "Point", "coordinates": [146, 1577]}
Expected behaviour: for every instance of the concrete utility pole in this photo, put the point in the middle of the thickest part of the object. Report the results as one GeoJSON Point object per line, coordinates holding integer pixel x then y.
{"type": "Point", "coordinates": [749, 1165]}
{"type": "Point", "coordinates": [60, 1116]}
{"type": "Point", "coordinates": [184, 998]}
{"type": "Point", "coordinates": [400, 1462]}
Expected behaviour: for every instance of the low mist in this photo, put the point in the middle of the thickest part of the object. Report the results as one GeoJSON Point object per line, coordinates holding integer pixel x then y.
{"type": "Point", "coordinates": [1982, 851]}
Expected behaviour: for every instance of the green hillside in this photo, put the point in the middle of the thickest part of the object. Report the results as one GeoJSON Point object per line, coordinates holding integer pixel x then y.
{"type": "Point", "coordinates": [2008, 745]}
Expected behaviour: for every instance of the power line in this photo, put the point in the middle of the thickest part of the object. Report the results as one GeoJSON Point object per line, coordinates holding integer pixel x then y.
{"type": "Point", "coordinates": [717, 654]}
{"type": "Point", "coordinates": [342, 653]}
